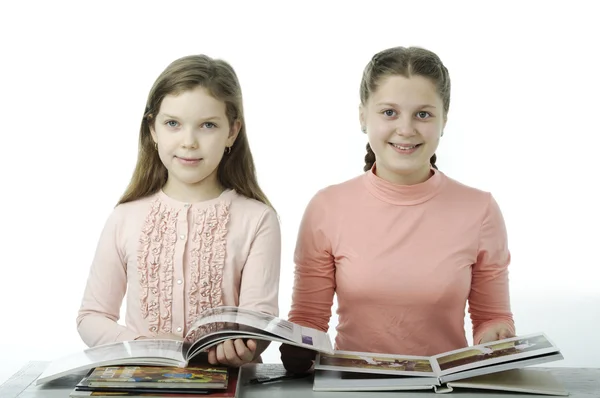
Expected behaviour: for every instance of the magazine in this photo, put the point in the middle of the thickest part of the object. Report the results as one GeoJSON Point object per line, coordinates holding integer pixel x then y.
{"type": "Point", "coordinates": [212, 327]}
{"type": "Point", "coordinates": [496, 365]}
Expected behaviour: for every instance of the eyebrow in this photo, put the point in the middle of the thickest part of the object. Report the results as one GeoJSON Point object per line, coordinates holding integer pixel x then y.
{"type": "Point", "coordinates": [167, 116]}
{"type": "Point", "coordinates": [391, 104]}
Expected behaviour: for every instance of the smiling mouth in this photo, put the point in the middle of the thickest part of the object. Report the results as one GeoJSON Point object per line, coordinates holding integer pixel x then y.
{"type": "Point", "coordinates": [404, 147]}
{"type": "Point", "coordinates": [188, 160]}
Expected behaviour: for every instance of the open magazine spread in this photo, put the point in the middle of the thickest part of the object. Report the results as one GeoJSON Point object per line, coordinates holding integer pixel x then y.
{"type": "Point", "coordinates": [212, 327]}
{"type": "Point", "coordinates": [360, 371]}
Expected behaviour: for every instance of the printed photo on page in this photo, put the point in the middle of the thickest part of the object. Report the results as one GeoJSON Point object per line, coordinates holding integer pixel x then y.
{"type": "Point", "coordinates": [349, 361]}
{"type": "Point", "coordinates": [494, 352]}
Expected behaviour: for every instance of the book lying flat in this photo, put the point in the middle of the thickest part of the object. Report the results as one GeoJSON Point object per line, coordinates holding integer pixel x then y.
{"type": "Point", "coordinates": [231, 391]}
{"type": "Point", "coordinates": [496, 365]}
{"type": "Point", "coordinates": [202, 377]}
{"type": "Point", "coordinates": [213, 326]}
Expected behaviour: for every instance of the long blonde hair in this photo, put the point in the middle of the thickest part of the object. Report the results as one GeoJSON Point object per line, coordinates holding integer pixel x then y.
{"type": "Point", "coordinates": [236, 170]}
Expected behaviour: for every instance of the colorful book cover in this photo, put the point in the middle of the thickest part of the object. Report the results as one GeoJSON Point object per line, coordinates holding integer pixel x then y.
{"type": "Point", "coordinates": [231, 391]}
{"type": "Point", "coordinates": [197, 377]}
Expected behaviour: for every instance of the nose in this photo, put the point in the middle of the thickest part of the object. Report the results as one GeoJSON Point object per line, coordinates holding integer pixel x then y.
{"type": "Point", "coordinates": [405, 126]}
{"type": "Point", "coordinates": [189, 139]}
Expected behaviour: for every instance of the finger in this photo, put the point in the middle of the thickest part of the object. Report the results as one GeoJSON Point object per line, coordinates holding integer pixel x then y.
{"type": "Point", "coordinates": [212, 356]}
{"type": "Point", "coordinates": [242, 351]}
{"type": "Point", "coordinates": [252, 345]}
{"type": "Point", "coordinates": [230, 354]}
{"type": "Point", "coordinates": [221, 354]}
{"type": "Point", "coordinates": [488, 337]}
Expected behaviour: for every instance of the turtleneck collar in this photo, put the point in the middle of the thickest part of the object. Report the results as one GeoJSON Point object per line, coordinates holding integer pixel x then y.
{"type": "Point", "coordinates": [403, 194]}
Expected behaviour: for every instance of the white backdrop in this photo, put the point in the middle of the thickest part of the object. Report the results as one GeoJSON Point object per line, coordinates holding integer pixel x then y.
{"type": "Point", "coordinates": [523, 124]}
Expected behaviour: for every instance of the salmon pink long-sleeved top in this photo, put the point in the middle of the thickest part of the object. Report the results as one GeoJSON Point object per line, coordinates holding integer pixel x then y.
{"type": "Point", "coordinates": [403, 262]}
{"type": "Point", "coordinates": [177, 259]}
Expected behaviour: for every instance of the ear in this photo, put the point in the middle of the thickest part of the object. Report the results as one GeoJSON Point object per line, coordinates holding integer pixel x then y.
{"type": "Point", "coordinates": [153, 133]}
{"type": "Point", "coordinates": [362, 118]}
{"type": "Point", "coordinates": [444, 125]}
{"type": "Point", "coordinates": [233, 132]}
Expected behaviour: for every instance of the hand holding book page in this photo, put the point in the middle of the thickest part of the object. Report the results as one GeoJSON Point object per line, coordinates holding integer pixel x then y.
{"type": "Point", "coordinates": [499, 331]}
{"type": "Point", "coordinates": [234, 352]}
{"type": "Point", "coordinates": [214, 326]}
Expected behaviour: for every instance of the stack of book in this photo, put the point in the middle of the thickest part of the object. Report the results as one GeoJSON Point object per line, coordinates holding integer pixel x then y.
{"type": "Point", "coordinates": [158, 381]}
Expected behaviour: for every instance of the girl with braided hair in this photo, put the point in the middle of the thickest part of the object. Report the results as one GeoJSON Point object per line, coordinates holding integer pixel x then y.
{"type": "Point", "coordinates": [403, 246]}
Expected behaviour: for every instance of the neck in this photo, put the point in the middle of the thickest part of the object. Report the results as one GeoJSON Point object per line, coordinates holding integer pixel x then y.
{"type": "Point", "coordinates": [207, 189]}
{"type": "Point", "coordinates": [416, 177]}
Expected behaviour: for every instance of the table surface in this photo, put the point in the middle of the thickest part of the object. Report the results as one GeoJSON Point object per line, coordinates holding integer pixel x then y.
{"type": "Point", "coordinates": [580, 382]}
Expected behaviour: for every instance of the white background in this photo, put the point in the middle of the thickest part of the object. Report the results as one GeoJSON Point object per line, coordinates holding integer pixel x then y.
{"type": "Point", "coordinates": [523, 124]}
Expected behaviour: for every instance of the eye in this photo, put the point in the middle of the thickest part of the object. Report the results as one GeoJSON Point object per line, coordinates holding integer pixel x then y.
{"type": "Point", "coordinates": [423, 115]}
{"type": "Point", "coordinates": [389, 112]}
{"type": "Point", "coordinates": [210, 125]}
{"type": "Point", "coordinates": [172, 123]}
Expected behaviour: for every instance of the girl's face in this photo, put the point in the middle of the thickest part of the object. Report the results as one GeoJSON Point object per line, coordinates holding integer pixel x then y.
{"type": "Point", "coordinates": [192, 132]}
{"type": "Point", "coordinates": [404, 119]}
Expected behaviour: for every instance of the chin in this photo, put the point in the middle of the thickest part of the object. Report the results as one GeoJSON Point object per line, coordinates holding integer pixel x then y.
{"type": "Point", "coordinates": [195, 181]}
{"type": "Point", "coordinates": [190, 180]}
{"type": "Point", "coordinates": [406, 168]}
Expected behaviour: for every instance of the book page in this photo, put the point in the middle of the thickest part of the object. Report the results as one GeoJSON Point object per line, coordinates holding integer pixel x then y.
{"type": "Point", "coordinates": [387, 364]}
{"type": "Point", "coordinates": [234, 319]}
{"type": "Point", "coordinates": [331, 380]}
{"type": "Point", "coordinates": [241, 316]}
{"type": "Point", "coordinates": [157, 352]}
{"type": "Point", "coordinates": [501, 367]}
{"type": "Point", "coordinates": [495, 352]}
{"type": "Point", "coordinates": [532, 381]}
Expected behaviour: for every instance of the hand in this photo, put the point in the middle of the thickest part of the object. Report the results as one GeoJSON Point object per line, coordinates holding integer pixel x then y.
{"type": "Point", "coordinates": [296, 359]}
{"type": "Point", "coordinates": [232, 353]}
{"type": "Point", "coordinates": [496, 332]}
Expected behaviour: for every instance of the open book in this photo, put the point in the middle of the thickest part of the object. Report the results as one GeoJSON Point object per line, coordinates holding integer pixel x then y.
{"type": "Point", "coordinates": [212, 327]}
{"type": "Point", "coordinates": [496, 365]}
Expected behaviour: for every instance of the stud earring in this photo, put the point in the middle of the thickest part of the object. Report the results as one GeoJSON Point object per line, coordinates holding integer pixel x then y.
{"type": "Point", "coordinates": [363, 129]}
{"type": "Point", "coordinates": [227, 150]}
{"type": "Point", "coordinates": [156, 145]}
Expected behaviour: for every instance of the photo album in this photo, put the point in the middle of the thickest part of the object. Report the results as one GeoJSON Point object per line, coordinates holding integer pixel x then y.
{"type": "Point", "coordinates": [497, 365]}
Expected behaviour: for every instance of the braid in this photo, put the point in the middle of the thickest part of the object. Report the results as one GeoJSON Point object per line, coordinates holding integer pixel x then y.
{"type": "Point", "coordinates": [432, 161]}
{"type": "Point", "coordinates": [369, 158]}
